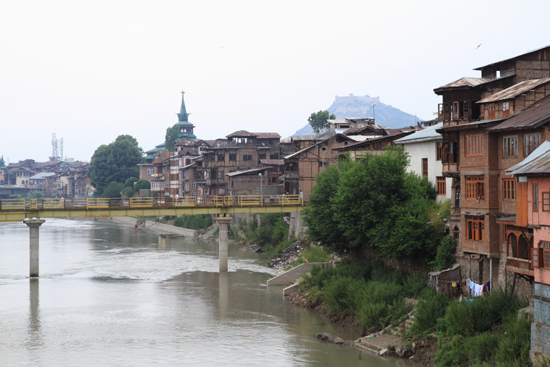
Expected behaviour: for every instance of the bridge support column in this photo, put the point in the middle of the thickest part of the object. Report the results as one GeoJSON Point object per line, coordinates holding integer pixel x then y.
{"type": "Point", "coordinates": [223, 240]}
{"type": "Point", "coordinates": [34, 228]}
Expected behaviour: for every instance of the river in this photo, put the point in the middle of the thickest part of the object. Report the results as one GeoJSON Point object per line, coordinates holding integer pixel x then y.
{"type": "Point", "coordinates": [110, 295]}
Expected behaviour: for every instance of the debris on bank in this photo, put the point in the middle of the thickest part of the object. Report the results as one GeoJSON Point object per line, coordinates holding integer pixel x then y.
{"type": "Point", "coordinates": [289, 254]}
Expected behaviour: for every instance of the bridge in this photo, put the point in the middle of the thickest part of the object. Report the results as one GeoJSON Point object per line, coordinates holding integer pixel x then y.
{"type": "Point", "coordinates": [30, 211]}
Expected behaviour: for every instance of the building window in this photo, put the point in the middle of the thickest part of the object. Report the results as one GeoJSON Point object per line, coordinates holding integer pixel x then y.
{"type": "Point", "coordinates": [150, 171]}
{"type": "Point", "coordinates": [546, 201]}
{"type": "Point", "coordinates": [531, 142]}
{"type": "Point", "coordinates": [186, 186]}
{"type": "Point", "coordinates": [424, 167]}
{"type": "Point", "coordinates": [220, 174]}
{"type": "Point", "coordinates": [193, 184]}
{"type": "Point", "coordinates": [505, 106]}
{"type": "Point", "coordinates": [185, 173]}
{"type": "Point", "coordinates": [545, 249]}
{"type": "Point", "coordinates": [441, 186]}
{"type": "Point", "coordinates": [232, 157]}
{"type": "Point", "coordinates": [221, 157]}
{"type": "Point", "coordinates": [262, 156]}
{"type": "Point", "coordinates": [510, 146]}
{"type": "Point", "coordinates": [438, 151]}
{"type": "Point", "coordinates": [474, 145]}
{"type": "Point", "coordinates": [247, 157]}
{"type": "Point", "coordinates": [475, 228]}
{"type": "Point", "coordinates": [474, 187]}
{"type": "Point", "coordinates": [509, 189]}
{"type": "Point", "coordinates": [274, 156]}
{"type": "Point", "coordinates": [535, 198]}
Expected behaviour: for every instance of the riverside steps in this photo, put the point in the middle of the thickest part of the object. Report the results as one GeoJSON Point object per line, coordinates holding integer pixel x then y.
{"type": "Point", "coordinates": [31, 211]}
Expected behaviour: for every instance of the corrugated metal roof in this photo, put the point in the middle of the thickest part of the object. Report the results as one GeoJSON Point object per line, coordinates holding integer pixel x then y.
{"type": "Point", "coordinates": [41, 175]}
{"type": "Point", "coordinates": [464, 82]}
{"type": "Point", "coordinates": [275, 162]}
{"type": "Point", "coordinates": [238, 173]}
{"type": "Point", "coordinates": [268, 135]}
{"type": "Point", "coordinates": [515, 90]}
{"type": "Point", "coordinates": [536, 162]}
{"type": "Point", "coordinates": [532, 117]}
{"type": "Point", "coordinates": [240, 133]}
{"type": "Point", "coordinates": [428, 133]}
{"type": "Point", "coordinates": [511, 58]}
{"type": "Point", "coordinates": [301, 151]}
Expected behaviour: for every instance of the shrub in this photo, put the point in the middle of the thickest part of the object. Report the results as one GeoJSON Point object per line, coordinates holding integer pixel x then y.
{"type": "Point", "coordinates": [198, 221]}
{"type": "Point", "coordinates": [428, 311]}
{"type": "Point", "coordinates": [446, 253]}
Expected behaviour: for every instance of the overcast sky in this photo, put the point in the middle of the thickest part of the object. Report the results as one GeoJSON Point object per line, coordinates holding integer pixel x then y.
{"type": "Point", "coordinates": [92, 70]}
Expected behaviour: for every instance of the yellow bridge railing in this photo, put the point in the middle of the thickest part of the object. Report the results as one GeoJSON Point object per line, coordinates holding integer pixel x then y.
{"type": "Point", "coordinates": [150, 202]}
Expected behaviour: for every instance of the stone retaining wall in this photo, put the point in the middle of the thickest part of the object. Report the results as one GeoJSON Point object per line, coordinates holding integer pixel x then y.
{"type": "Point", "coordinates": [155, 226]}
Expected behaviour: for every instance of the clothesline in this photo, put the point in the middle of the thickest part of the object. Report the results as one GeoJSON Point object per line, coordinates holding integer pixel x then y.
{"type": "Point", "coordinates": [478, 290]}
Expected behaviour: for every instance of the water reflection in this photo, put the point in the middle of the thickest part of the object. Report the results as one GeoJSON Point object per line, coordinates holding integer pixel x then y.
{"type": "Point", "coordinates": [223, 281]}
{"type": "Point", "coordinates": [34, 331]}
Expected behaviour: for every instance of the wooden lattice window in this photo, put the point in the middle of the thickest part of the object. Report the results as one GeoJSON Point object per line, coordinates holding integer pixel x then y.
{"type": "Point", "coordinates": [441, 186]}
{"type": "Point", "coordinates": [535, 198]}
{"type": "Point", "coordinates": [474, 145]}
{"type": "Point", "coordinates": [424, 167]}
{"type": "Point", "coordinates": [546, 201]}
{"type": "Point", "coordinates": [475, 228]}
{"type": "Point", "coordinates": [509, 189]}
{"type": "Point", "coordinates": [438, 151]}
{"type": "Point", "coordinates": [510, 146]}
{"type": "Point", "coordinates": [474, 187]}
{"type": "Point", "coordinates": [531, 142]}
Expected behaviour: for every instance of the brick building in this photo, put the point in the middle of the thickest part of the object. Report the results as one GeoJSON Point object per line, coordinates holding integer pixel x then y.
{"type": "Point", "coordinates": [490, 124]}
{"type": "Point", "coordinates": [528, 238]}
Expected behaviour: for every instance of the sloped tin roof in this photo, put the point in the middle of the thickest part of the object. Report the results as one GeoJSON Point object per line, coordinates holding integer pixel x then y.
{"type": "Point", "coordinates": [536, 162]}
{"type": "Point", "coordinates": [532, 117]}
{"type": "Point", "coordinates": [515, 90]}
{"type": "Point", "coordinates": [428, 133]}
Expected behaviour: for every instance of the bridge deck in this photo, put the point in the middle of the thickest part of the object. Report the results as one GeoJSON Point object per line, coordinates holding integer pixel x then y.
{"type": "Point", "coordinates": [15, 210]}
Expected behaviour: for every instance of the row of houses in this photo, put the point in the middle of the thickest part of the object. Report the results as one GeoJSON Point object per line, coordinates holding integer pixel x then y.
{"type": "Point", "coordinates": [53, 178]}
{"type": "Point", "coordinates": [492, 153]}
{"type": "Point", "coordinates": [255, 163]}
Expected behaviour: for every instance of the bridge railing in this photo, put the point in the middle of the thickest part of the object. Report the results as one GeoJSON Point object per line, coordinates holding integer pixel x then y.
{"type": "Point", "coordinates": [13, 204]}
{"type": "Point", "coordinates": [141, 202]}
{"type": "Point", "coordinates": [149, 202]}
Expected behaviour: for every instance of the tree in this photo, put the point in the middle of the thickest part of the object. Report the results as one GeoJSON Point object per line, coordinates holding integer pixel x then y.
{"type": "Point", "coordinates": [115, 162]}
{"type": "Point", "coordinates": [172, 134]}
{"type": "Point", "coordinates": [113, 190]}
{"type": "Point", "coordinates": [318, 121]}
{"type": "Point", "coordinates": [2, 162]}
{"type": "Point", "coordinates": [373, 203]}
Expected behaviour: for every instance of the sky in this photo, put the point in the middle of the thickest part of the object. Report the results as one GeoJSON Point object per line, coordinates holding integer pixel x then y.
{"type": "Point", "coordinates": [90, 71]}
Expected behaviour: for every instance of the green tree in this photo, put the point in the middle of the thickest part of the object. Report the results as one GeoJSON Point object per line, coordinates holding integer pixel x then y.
{"type": "Point", "coordinates": [113, 190]}
{"type": "Point", "coordinates": [2, 162]}
{"type": "Point", "coordinates": [142, 184]}
{"type": "Point", "coordinates": [114, 162]}
{"type": "Point", "coordinates": [130, 182]}
{"type": "Point", "coordinates": [172, 134]}
{"type": "Point", "coordinates": [318, 120]}
{"type": "Point", "coordinates": [373, 203]}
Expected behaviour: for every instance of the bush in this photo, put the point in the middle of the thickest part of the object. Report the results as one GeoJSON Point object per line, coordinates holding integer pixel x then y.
{"type": "Point", "coordinates": [199, 221]}
{"type": "Point", "coordinates": [429, 309]}
{"type": "Point", "coordinates": [446, 254]}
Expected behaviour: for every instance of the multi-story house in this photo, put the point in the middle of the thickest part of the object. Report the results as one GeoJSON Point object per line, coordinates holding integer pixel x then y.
{"type": "Point", "coordinates": [240, 151]}
{"type": "Point", "coordinates": [529, 238]}
{"type": "Point", "coordinates": [490, 124]}
{"type": "Point", "coordinates": [425, 148]}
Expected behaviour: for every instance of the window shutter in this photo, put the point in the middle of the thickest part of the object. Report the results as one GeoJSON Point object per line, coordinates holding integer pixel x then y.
{"type": "Point", "coordinates": [535, 257]}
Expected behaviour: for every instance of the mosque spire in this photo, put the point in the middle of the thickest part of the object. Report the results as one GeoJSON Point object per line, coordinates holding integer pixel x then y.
{"type": "Point", "coordinates": [183, 115]}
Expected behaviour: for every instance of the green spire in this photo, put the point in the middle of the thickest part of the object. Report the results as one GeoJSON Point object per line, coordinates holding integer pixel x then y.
{"type": "Point", "coordinates": [183, 115]}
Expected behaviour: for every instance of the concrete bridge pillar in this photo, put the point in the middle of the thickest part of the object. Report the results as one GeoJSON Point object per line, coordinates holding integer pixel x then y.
{"type": "Point", "coordinates": [34, 228]}
{"type": "Point", "coordinates": [223, 240]}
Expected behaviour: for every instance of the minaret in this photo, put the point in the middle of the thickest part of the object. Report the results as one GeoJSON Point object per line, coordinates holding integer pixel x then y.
{"type": "Point", "coordinates": [183, 115]}
{"type": "Point", "coordinates": [186, 128]}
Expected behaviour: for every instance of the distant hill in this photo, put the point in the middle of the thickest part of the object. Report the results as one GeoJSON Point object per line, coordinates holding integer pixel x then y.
{"type": "Point", "coordinates": [361, 106]}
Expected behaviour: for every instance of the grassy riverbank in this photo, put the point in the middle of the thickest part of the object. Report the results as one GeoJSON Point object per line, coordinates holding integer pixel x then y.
{"type": "Point", "coordinates": [483, 332]}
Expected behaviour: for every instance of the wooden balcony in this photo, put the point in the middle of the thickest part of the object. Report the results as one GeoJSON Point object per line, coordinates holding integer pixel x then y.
{"type": "Point", "coordinates": [519, 266]}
